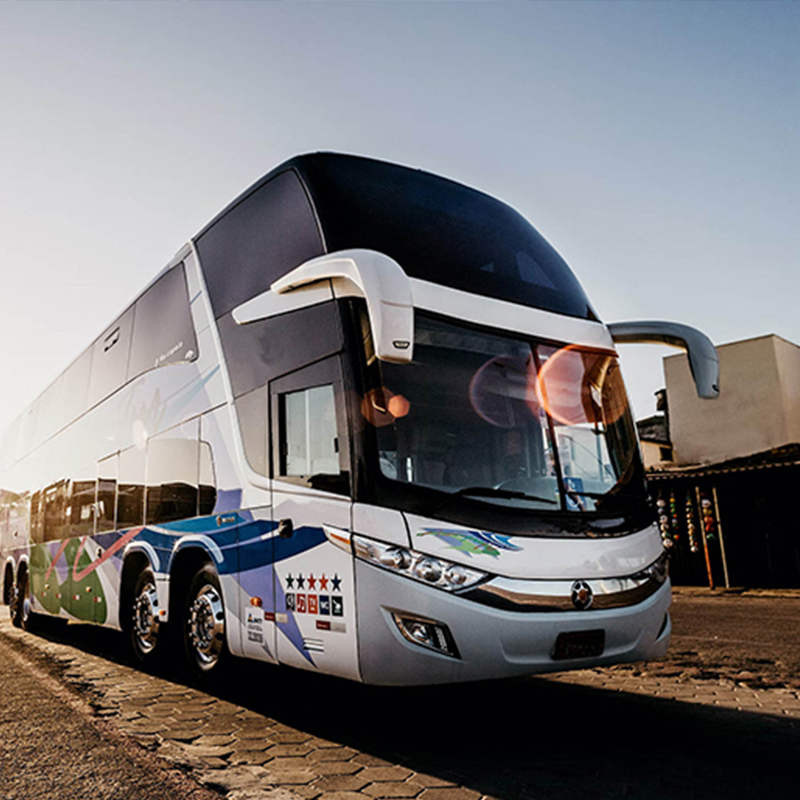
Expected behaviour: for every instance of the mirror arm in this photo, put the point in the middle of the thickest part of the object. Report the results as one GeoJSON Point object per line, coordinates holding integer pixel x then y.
{"type": "Point", "coordinates": [383, 284]}
{"type": "Point", "coordinates": [703, 359]}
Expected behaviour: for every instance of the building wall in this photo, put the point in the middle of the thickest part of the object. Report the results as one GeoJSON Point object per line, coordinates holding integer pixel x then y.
{"type": "Point", "coordinates": [758, 408]}
{"type": "Point", "coordinates": [788, 358]}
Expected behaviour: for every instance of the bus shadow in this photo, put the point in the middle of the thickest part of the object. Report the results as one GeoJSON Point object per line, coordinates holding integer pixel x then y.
{"type": "Point", "coordinates": [521, 738]}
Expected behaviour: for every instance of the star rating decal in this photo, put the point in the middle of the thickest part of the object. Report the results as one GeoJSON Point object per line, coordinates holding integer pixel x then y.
{"type": "Point", "coordinates": [311, 603]}
{"type": "Point", "coordinates": [299, 582]}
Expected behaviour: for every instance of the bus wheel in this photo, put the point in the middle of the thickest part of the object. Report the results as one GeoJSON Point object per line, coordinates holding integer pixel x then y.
{"type": "Point", "coordinates": [144, 628]}
{"type": "Point", "coordinates": [204, 624]}
{"type": "Point", "coordinates": [14, 606]}
{"type": "Point", "coordinates": [25, 618]}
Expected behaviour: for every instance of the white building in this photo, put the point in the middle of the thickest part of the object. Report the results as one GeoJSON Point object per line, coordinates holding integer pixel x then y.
{"type": "Point", "coordinates": [758, 408]}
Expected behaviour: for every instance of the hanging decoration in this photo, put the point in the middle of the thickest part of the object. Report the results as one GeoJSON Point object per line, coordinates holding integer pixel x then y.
{"type": "Point", "coordinates": [663, 522]}
{"type": "Point", "coordinates": [673, 513]}
{"type": "Point", "coordinates": [690, 527]}
{"type": "Point", "coordinates": [709, 523]}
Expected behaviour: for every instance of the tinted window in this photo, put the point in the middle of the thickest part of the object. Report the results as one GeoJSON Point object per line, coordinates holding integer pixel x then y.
{"type": "Point", "coordinates": [80, 505]}
{"type": "Point", "coordinates": [130, 491]}
{"type": "Point", "coordinates": [262, 350]}
{"type": "Point", "coordinates": [162, 330]}
{"type": "Point", "coordinates": [8, 448]}
{"type": "Point", "coordinates": [75, 389]}
{"type": "Point", "coordinates": [440, 231]}
{"type": "Point", "coordinates": [37, 517]}
{"type": "Point", "coordinates": [27, 429]}
{"type": "Point", "coordinates": [110, 358]}
{"type": "Point", "coordinates": [172, 474]}
{"type": "Point", "coordinates": [55, 511]}
{"type": "Point", "coordinates": [106, 494]}
{"type": "Point", "coordinates": [270, 232]}
{"type": "Point", "coordinates": [252, 411]}
{"type": "Point", "coordinates": [51, 416]}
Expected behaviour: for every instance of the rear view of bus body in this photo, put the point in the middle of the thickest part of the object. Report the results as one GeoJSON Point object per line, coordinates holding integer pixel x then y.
{"type": "Point", "coordinates": [390, 441]}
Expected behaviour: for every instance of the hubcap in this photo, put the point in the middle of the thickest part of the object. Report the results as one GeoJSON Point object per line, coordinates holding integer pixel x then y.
{"type": "Point", "coordinates": [145, 618]}
{"type": "Point", "coordinates": [13, 601]}
{"type": "Point", "coordinates": [207, 626]}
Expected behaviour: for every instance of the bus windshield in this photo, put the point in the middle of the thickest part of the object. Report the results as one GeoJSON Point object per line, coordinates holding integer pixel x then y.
{"type": "Point", "coordinates": [511, 422]}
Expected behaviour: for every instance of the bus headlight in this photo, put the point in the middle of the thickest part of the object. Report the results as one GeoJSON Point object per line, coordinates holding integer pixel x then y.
{"type": "Point", "coordinates": [428, 569]}
{"type": "Point", "coordinates": [657, 571]}
{"type": "Point", "coordinates": [437, 572]}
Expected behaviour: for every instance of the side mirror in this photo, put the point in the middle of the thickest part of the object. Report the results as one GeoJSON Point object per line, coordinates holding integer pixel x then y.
{"type": "Point", "coordinates": [703, 359]}
{"type": "Point", "coordinates": [348, 273]}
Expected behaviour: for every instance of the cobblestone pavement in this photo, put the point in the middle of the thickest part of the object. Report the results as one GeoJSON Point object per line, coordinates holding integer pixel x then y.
{"type": "Point", "coordinates": [674, 684]}
{"type": "Point", "coordinates": [325, 739]}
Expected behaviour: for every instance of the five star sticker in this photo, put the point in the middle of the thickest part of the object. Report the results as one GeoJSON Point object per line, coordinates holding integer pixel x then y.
{"type": "Point", "coordinates": [336, 582]}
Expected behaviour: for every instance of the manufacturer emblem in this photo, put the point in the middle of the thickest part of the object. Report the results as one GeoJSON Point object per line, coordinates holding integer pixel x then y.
{"type": "Point", "coordinates": [582, 596]}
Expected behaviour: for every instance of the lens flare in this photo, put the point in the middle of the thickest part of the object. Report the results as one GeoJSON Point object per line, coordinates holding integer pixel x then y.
{"type": "Point", "coordinates": [382, 407]}
{"type": "Point", "coordinates": [579, 387]}
{"type": "Point", "coordinates": [503, 391]}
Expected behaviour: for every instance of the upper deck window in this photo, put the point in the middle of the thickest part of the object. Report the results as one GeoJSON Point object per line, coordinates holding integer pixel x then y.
{"type": "Point", "coordinates": [261, 238]}
{"type": "Point", "coordinates": [440, 231]}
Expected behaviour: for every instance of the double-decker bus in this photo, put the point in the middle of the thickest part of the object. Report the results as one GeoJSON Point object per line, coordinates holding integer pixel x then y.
{"type": "Point", "coordinates": [366, 423]}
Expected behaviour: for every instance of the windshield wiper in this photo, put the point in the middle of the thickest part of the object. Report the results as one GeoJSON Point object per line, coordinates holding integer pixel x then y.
{"type": "Point", "coordinates": [490, 491]}
{"type": "Point", "coordinates": [590, 495]}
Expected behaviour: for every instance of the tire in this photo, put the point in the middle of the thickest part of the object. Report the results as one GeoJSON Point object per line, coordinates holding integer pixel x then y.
{"type": "Point", "coordinates": [145, 631]}
{"type": "Point", "coordinates": [204, 626]}
{"type": "Point", "coordinates": [24, 617]}
{"type": "Point", "coordinates": [14, 605]}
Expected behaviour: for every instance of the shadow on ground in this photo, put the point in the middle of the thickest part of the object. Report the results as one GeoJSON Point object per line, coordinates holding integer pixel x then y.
{"type": "Point", "coordinates": [521, 739]}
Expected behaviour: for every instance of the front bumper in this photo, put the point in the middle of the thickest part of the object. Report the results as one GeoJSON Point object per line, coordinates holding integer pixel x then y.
{"type": "Point", "coordinates": [491, 642]}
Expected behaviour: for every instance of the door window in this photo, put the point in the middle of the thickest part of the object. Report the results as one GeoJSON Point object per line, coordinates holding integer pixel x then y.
{"type": "Point", "coordinates": [311, 446]}
{"type": "Point", "coordinates": [310, 429]}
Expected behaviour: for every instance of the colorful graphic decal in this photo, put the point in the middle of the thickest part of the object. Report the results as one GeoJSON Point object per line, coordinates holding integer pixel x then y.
{"type": "Point", "coordinates": [65, 576]}
{"type": "Point", "coordinates": [472, 542]}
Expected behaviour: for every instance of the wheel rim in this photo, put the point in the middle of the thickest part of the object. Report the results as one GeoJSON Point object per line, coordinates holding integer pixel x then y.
{"type": "Point", "coordinates": [13, 601]}
{"type": "Point", "coordinates": [25, 609]}
{"type": "Point", "coordinates": [145, 619]}
{"type": "Point", "coordinates": [207, 626]}
{"type": "Point", "coordinates": [24, 601]}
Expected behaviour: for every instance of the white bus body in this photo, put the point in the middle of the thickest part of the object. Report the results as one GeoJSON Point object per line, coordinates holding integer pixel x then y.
{"type": "Point", "coordinates": [365, 423]}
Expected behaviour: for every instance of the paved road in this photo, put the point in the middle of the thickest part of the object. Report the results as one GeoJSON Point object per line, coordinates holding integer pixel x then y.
{"type": "Point", "coordinates": [678, 729]}
{"type": "Point", "coordinates": [754, 638]}
{"type": "Point", "coordinates": [51, 748]}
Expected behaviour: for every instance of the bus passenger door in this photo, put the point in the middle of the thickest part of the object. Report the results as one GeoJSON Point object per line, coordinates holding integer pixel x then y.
{"type": "Point", "coordinates": [314, 592]}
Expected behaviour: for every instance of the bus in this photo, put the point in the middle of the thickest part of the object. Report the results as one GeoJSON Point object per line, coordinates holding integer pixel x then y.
{"type": "Point", "coordinates": [365, 423]}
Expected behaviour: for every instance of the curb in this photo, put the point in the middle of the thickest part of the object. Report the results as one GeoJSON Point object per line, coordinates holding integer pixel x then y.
{"type": "Point", "coordinates": [734, 591]}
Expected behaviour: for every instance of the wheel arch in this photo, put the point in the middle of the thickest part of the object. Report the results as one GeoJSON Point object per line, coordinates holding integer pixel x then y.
{"type": "Point", "coordinates": [186, 561]}
{"type": "Point", "coordinates": [22, 569]}
{"type": "Point", "coordinates": [9, 579]}
{"type": "Point", "coordinates": [136, 561]}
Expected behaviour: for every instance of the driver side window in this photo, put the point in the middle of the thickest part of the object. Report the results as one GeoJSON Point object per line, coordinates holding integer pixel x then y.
{"type": "Point", "coordinates": [310, 430]}
{"type": "Point", "coordinates": [311, 445]}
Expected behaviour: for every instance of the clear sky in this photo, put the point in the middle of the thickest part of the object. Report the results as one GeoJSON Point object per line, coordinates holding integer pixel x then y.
{"type": "Point", "coordinates": [656, 145]}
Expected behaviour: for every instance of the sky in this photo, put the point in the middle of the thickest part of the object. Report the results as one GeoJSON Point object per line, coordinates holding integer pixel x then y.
{"type": "Point", "coordinates": [655, 145]}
